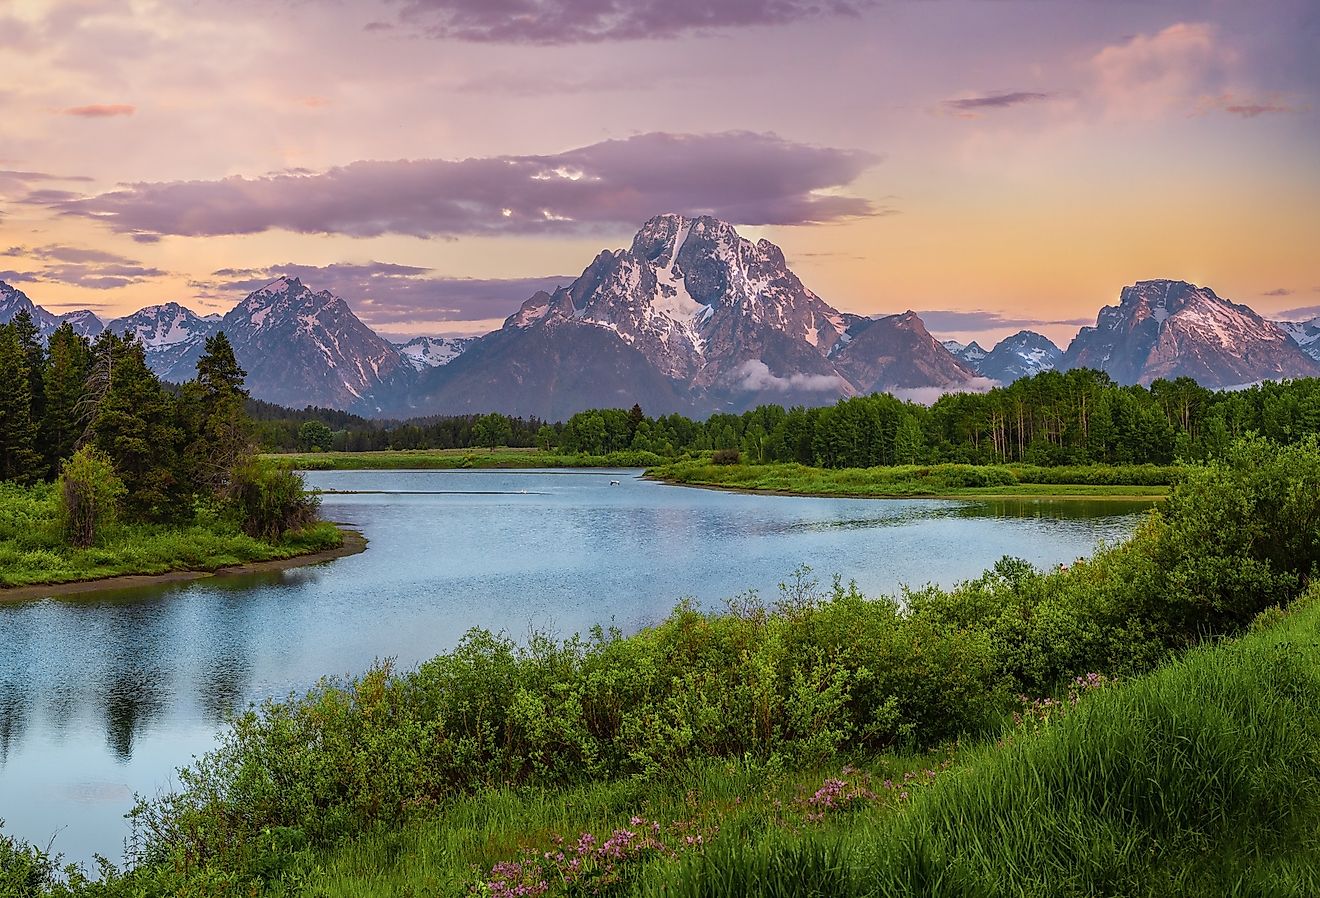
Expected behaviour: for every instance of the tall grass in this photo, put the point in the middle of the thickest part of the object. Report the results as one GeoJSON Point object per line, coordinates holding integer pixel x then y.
{"type": "Point", "coordinates": [1202, 778]}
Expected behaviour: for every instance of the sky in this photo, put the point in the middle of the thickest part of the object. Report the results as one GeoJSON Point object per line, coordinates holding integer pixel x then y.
{"type": "Point", "coordinates": [992, 164]}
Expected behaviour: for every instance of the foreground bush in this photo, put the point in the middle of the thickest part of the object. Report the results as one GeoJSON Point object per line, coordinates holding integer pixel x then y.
{"type": "Point", "coordinates": [89, 492]}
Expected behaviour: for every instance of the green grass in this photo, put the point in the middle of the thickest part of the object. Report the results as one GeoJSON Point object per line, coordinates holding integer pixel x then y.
{"type": "Point", "coordinates": [1091, 481]}
{"type": "Point", "coordinates": [32, 550]}
{"type": "Point", "coordinates": [393, 459]}
{"type": "Point", "coordinates": [1202, 778]}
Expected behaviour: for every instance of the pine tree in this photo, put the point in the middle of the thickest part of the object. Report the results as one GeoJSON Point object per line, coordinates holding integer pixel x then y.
{"type": "Point", "coordinates": [65, 420]}
{"type": "Point", "coordinates": [136, 425]}
{"type": "Point", "coordinates": [19, 459]}
{"type": "Point", "coordinates": [219, 432]}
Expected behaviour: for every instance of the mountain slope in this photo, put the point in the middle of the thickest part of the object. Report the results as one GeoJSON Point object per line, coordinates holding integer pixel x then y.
{"type": "Point", "coordinates": [432, 352]}
{"type": "Point", "coordinates": [1169, 329]}
{"type": "Point", "coordinates": [1021, 355]}
{"type": "Point", "coordinates": [301, 347]}
{"type": "Point", "coordinates": [897, 352]}
{"type": "Point", "coordinates": [174, 338]}
{"type": "Point", "coordinates": [13, 300]}
{"type": "Point", "coordinates": [1306, 334]}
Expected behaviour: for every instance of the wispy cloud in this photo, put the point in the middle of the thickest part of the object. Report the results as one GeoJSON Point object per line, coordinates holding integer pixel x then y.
{"type": "Point", "coordinates": [100, 110]}
{"type": "Point", "coordinates": [1279, 291]}
{"type": "Point", "coordinates": [742, 177]}
{"type": "Point", "coordinates": [973, 107]}
{"type": "Point", "coordinates": [91, 269]}
{"type": "Point", "coordinates": [979, 319]}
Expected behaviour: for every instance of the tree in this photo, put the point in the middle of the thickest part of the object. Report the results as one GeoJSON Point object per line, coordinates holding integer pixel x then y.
{"type": "Point", "coordinates": [909, 444]}
{"type": "Point", "coordinates": [19, 459]}
{"type": "Point", "coordinates": [70, 363]}
{"type": "Point", "coordinates": [314, 436]}
{"type": "Point", "coordinates": [137, 427]}
{"type": "Point", "coordinates": [492, 430]}
{"type": "Point", "coordinates": [88, 493]}
{"type": "Point", "coordinates": [219, 430]}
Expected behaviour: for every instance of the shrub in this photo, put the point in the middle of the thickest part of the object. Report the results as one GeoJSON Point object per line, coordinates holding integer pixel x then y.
{"type": "Point", "coordinates": [726, 457]}
{"type": "Point", "coordinates": [269, 500]}
{"type": "Point", "coordinates": [88, 495]}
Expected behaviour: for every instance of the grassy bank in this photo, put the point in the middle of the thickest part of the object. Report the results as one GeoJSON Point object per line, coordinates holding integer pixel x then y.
{"type": "Point", "coordinates": [34, 551]}
{"type": "Point", "coordinates": [1091, 481]}
{"type": "Point", "coordinates": [460, 458]}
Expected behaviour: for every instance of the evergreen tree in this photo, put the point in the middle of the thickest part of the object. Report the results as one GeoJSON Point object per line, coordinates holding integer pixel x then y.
{"type": "Point", "coordinates": [136, 425]}
{"type": "Point", "coordinates": [219, 432]}
{"type": "Point", "coordinates": [65, 421]}
{"type": "Point", "coordinates": [19, 459]}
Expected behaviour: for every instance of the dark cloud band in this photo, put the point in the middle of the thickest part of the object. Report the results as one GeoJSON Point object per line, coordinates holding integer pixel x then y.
{"type": "Point", "coordinates": [593, 21]}
{"type": "Point", "coordinates": [745, 178]}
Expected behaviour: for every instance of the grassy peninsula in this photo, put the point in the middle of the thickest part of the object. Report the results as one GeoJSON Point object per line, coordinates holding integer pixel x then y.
{"type": "Point", "coordinates": [938, 481]}
{"type": "Point", "coordinates": [1142, 723]}
{"type": "Point", "coordinates": [33, 549]}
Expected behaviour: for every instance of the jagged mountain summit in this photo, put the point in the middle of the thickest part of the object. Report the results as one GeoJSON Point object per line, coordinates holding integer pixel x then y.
{"type": "Point", "coordinates": [301, 347]}
{"type": "Point", "coordinates": [432, 352]}
{"type": "Point", "coordinates": [690, 317]}
{"type": "Point", "coordinates": [173, 336]}
{"type": "Point", "coordinates": [13, 300]}
{"type": "Point", "coordinates": [969, 354]}
{"type": "Point", "coordinates": [1024, 354]}
{"type": "Point", "coordinates": [1169, 329]}
{"type": "Point", "coordinates": [1306, 334]}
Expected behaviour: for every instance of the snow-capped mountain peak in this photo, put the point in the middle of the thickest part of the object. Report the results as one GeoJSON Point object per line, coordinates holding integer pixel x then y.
{"type": "Point", "coordinates": [1168, 328]}
{"type": "Point", "coordinates": [432, 352]}
{"type": "Point", "coordinates": [1306, 334]}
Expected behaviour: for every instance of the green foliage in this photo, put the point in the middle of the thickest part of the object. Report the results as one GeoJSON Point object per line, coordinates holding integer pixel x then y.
{"type": "Point", "coordinates": [19, 459]}
{"type": "Point", "coordinates": [314, 436]}
{"type": "Point", "coordinates": [88, 493]}
{"type": "Point", "coordinates": [269, 500]}
{"type": "Point", "coordinates": [726, 457]}
{"type": "Point", "coordinates": [492, 430]}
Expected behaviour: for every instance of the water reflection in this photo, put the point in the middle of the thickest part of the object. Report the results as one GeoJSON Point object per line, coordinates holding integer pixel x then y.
{"type": "Point", "coordinates": [102, 696]}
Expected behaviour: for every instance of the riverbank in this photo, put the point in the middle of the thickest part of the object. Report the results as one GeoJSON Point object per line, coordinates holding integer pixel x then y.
{"type": "Point", "coordinates": [447, 459]}
{"type": "Point", "coordinates": [922, 482]}
{"type": "Point", "coordinates": [300, 553]}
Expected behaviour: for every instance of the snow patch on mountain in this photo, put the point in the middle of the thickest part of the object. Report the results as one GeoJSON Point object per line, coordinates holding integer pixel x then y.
{"type": "Point", "coordinates": [432, 352]}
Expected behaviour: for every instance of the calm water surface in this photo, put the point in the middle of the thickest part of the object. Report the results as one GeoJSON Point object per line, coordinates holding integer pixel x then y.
{"type": "Point", "coordinates": [104, 697]}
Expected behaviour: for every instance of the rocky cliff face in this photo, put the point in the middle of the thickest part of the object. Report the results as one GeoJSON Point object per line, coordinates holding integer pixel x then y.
{"type": "Point", "coordinates": [1168, 329]}
{"type": "Point", "coordinates": [1024, 354]}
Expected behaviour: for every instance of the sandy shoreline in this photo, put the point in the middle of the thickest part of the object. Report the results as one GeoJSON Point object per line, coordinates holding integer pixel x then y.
{"type": "Point", "coordinates": [354, 543]}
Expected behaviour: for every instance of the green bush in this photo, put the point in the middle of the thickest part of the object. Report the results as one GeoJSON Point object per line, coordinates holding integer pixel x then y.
{"type": "Point", "coordinates": [88, 491]}
{"type": "Point", "coordinates": [270, 500]}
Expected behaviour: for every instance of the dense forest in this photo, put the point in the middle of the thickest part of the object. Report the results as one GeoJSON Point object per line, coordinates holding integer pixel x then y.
{"type": "Point", "coordinates": [1053, 418]}
{"type": "Point", "coordinates": [124, 447]}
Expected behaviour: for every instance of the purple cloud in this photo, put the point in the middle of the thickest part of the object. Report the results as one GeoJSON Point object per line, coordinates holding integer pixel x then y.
{"type": "Point", "coordinates": [742, 177]}
{"type": "Point", "coordinates": [79, 267]}
{"type": "Point", "coordinates": [385, 294]}
{"type": "Point", "coordinates": [592, 21]}
{"type": "Point", "coordinates": [1278, 291]}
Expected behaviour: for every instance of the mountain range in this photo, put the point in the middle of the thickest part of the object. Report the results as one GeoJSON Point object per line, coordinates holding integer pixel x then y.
{"type": "Point", "coordinates": [692, 318]}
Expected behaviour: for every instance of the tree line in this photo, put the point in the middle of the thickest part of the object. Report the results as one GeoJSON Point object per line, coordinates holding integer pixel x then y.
{"type": "Point", "coordinates": [1053, 418]}
{"type": "Point", "coordinates": [93, 415]}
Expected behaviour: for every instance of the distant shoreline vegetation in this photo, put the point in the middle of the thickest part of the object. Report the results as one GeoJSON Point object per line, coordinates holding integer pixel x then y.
{"type": "Point", "coordinates": [104, 471]}
{"type": "Point", "coordinates": [1053, 419]}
